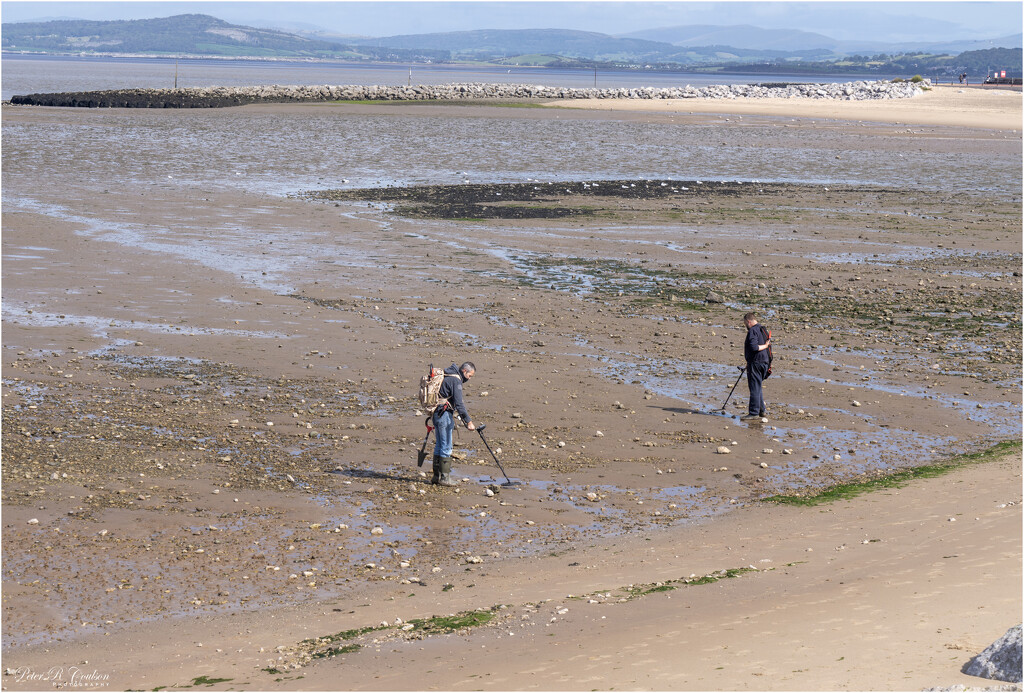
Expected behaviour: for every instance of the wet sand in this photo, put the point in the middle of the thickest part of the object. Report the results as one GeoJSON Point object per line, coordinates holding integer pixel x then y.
{"type": "Point", "coordinates": [890, 591]}
{"type": "Point", "coordinates": [206, 453]}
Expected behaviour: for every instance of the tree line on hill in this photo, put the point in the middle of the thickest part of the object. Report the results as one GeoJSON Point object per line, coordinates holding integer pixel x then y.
{"type": "Point", "coordinates": [976, 64]}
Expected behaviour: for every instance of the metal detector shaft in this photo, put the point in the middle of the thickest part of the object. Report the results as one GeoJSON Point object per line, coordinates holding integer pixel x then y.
{"type": "Point", "coordinates": [742, 368]}
{"type": "Point", "coordinates": [480, 430]}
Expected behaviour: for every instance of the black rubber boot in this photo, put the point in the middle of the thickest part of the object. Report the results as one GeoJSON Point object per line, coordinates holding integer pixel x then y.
{"type": "Point", "coordinates": [437, 470]}
{"type": "Point", "coordinates": [446, 472]}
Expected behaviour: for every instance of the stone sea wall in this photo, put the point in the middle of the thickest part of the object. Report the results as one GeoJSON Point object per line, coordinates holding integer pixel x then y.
{"type": "Point", "coordinates": [219, 97]}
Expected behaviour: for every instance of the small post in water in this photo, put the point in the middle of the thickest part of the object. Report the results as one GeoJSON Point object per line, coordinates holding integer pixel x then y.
{"type": "Point", "coordinates": [175, 73]}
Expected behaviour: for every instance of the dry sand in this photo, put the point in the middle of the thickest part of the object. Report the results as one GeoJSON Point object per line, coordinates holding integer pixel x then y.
{"type": "Point", "coordinates": [191, 538]}
{"type": "Point", "coordinates": [974, 107]}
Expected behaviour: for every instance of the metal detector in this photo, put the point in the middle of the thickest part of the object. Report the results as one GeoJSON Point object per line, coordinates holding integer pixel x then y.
{"type": "Point", "coordinates": [742, 368]}
{"type": "Point", "coordinates": [508, 482]}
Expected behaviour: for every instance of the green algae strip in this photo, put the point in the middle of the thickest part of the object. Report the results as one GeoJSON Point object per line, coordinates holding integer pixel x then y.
{"type": "Point", "coordinates": [436, 624]}
{"type": "Point", "coordinates": [343, 635]}
{"type": "Point", "coordinates": [634, 591]}
{"type": "Point", "coordinates": [448, 624]}
{"type": "Point", "coordinates": [899, 478]}
{"type": "Point", "coordinates": [335, 651]}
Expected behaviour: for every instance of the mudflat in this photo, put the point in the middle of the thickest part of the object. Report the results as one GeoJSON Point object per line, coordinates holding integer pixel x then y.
{"type": "Point", "coordinates": [210, 426]}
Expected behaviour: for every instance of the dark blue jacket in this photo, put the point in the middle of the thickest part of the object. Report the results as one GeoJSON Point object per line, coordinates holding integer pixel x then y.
{"type": "Point", "coordinates": [756, 336]}
{"type": "Point", "coordinates": [451, 390]}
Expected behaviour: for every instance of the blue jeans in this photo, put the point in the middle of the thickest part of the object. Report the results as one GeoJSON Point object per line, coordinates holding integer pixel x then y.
{"type": "Point", "coordinates": [444, 425]}
{"type": "Point", "coordinates": [755, 374]}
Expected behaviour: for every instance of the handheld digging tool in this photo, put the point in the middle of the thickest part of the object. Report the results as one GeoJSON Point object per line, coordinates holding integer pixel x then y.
{"type": "Point", "coordinates": [508, 482]}
{"type": "Point", "coordinates": [742, 369]}
{"type": "Point", "coordinates": [422, 454]}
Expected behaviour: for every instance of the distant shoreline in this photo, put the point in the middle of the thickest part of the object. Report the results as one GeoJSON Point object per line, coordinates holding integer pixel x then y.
{"type": "Point", "coordinates": [454, 64]}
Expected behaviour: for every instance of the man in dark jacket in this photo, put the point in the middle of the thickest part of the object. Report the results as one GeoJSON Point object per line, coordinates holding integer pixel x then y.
{"type": "Point", "coordinates": [755, 350]}
{"type": "Point", "coordinates": [449, 402]}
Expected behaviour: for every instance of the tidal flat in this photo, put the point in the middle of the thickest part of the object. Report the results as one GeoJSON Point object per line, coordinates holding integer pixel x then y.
{"type": "Point", "coordinates": [215, 323]}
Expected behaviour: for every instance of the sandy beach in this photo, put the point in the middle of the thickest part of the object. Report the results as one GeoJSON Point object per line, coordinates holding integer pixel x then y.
{"type": "Point", "coordinates": [210, 426]}
{"type": "Point", "coordinates": [974, 107]}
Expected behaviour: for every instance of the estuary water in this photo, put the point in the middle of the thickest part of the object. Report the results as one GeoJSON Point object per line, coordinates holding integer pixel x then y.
{"type": "Point", "coordinates": [39, 74]}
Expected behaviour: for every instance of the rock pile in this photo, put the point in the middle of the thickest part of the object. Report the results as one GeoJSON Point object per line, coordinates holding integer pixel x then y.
{"type": "Point", "coordinates": [220, 97]}
{"type": "Point", "coordinates": [1001, 660]}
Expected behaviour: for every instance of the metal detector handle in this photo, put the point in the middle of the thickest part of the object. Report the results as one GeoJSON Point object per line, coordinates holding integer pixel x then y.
{"type": "Point", "coordinates": [741, 369]}
{"type": "Point", "coordinates": [480, 430]}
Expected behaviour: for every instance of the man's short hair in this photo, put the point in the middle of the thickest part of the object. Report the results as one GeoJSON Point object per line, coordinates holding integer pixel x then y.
{"type": "Point", "coordinates": [468, 366]}
{"type": "Point", "coordinates": [749, 316]}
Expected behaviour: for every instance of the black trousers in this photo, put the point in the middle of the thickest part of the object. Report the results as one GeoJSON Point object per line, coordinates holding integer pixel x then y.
{"type": "Point", "coordinates": [756, 373]}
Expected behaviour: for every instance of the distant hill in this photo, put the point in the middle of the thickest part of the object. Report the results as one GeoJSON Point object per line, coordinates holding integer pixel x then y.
{"type": "Point", "coordinates": [185, 34]}
{"type": "Point", "coordinates": [739, 36]}
{"type": "Point", "coordinates": [980, 62]}
{"type": "Point", "coordinates": [954, 47]}
{"type": "Point", "coordinates": [309, 30]}
{"type": "Point", "coordinates": [700, 47]}
{"type": "Point", "coordinates": [749, 37]}
{"type": "Point", "coordinates": [506, 42]}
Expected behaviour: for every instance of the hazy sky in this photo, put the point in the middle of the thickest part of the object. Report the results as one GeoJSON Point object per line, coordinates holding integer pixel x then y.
{"type": "Point", "coordinates": [881, 21]}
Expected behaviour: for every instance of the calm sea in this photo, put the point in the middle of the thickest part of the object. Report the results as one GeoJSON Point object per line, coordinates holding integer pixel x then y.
{"type": "Point", "coordinates": [28, 75]}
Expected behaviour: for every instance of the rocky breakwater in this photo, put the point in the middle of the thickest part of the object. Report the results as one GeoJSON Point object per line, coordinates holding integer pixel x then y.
{"type": "Point", "coordinates": [220, 97]}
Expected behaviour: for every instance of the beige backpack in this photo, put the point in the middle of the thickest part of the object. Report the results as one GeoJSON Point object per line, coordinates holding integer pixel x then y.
{"type": "Point", "coordinates": [430, 386]}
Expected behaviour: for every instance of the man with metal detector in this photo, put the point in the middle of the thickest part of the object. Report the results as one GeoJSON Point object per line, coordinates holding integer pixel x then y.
{"type": "Point", "coordinates": [757, 351]}
{"type": "Point", "coordinates": [449, 403]}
